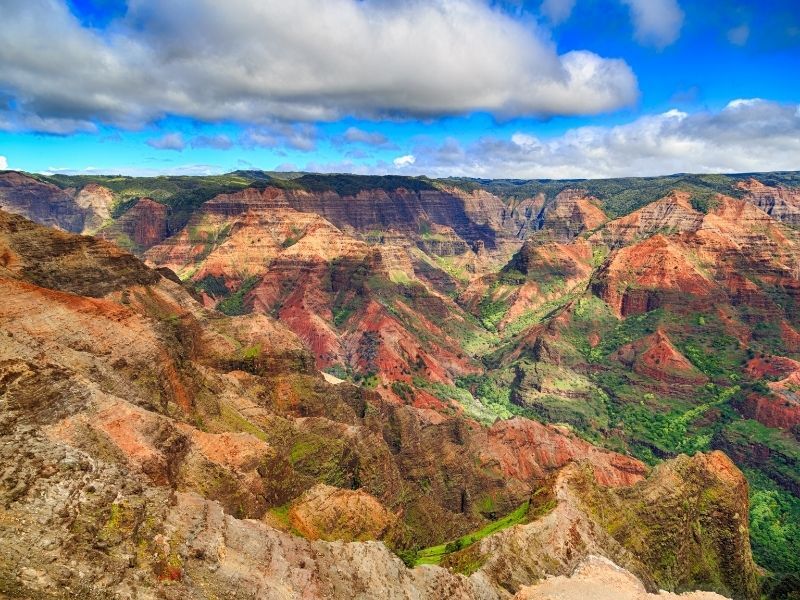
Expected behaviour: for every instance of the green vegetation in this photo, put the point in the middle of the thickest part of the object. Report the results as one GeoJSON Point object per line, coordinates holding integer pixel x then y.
{"type": "Point", "coordinates": [492, 309]}
{"type": "Point", "coordinates": [435, 554]}
{"type": "Point", "coordinates": [621, 332]}
{"type": "Point", "coordinates": [624, 195]}
{"type": "Point", "coordinates": [350, 185]}
{"type": "Point", "coordinates": [212, 285]}
{"type": "Point", "coordinates": [774, 524]}
{"type": "Point", "coordinates": [234, 304]}
{"type": "Point", "coordinates": [577, 379]}
{"type": "Point", "coordinates": [403, 390]}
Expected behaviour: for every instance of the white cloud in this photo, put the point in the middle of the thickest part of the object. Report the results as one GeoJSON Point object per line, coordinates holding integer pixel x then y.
{"type": "Point", "coordinates": [656, 22]}
{"type": "Point", "coordinates": [260, 60]}
{"type": "Point", "coordinates": [3, 162]}
{"type": "Point", "coordinates": [218, 142]}
{"type": "Point", "coordinates": [557, 11]}
{"type": "Point", "coordinates": [137, 171]}
{"type": "Point", "coordinates": [15, 121]}
{"type": "Point", "coordinates": [738, 36]}
{"type": "Point", "coordinates": [404, 161]}
{"type": "Point", "coordinates": [745, 136]}
{"type": "Point", "coordinates": [299, 136]}
{"type": "Point", "coordinates": [168, 141]}
{"type": "Point", "coordinates": [359, 136]}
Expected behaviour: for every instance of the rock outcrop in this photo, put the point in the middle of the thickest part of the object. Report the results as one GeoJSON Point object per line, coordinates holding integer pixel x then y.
{"type": "Point", "coordinates": [140, 227]}
{"type": "Point", "coordinates": [97, 201]}
{"type": "Point", "coordinates": [656, 357]}
{"type": "Point", "coordinates": [328, 513]}
{"type": "Point", "coordinates": [571, 213]}
{"type": "Point", "coordinates": [41, 202]}
{"type": "Point", "coordinates": [659, 270]}
{"type": "Point", "coordinates": [600, 579]}
{"type": "Point", "coordinates": [671, 214]}
{"type": "Point", "coordinates": [781, 203]}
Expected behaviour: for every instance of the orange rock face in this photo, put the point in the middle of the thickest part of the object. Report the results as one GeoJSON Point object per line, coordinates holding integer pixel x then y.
{"type": "Point", "coordinates": [773, 411]}
{"type": "Point", "coordinates": [654, 356]}
{"type": "Point", "coordinates": [526, 449]}
{"type": "Point", "coordinates": [144, 224]}
{"type": "Point", "coordinates": [671, 214]}
{"type": "Point", "coordinates": [328, 513]}
{"type": "Point", "coordinates": [782, 204]}
{"type": "Point", "coordinates": [571, 213]}
{"type": "Point", "coordinates": [641, 277]}
{"type": "Point", "coordinates": [780, 409]}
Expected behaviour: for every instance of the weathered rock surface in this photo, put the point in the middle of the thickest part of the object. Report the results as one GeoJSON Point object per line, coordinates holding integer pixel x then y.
{"type": "Point", "coordinates": [671, 214]}
{"type": "Point", "coordinates": [781, 203]}
{"type": "Point", "coordinates": [571, 213]}
{"type": "Point", "coordinates": [641, 277]}
{"type": "Point", "coordinates": [600, 579]}
{"type": "Point", "coordinates": [97, 201]}
{"type": "Point", "coordinates": [41, 202]}
{"type": "Point", "coordinates": [328, 513]}
{"type": "Point", "coordinates": [656, 357]}
{"type": "Point", "coordinates": [140, 227]}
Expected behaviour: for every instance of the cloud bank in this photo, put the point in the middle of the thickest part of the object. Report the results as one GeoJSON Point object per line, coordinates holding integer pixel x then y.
{"type": "Point", "coordinates": [256, 61]}
{"type": "Point", "coordinates": [745, 136]}
{"type": "Point", "coordinates": [3, 162]}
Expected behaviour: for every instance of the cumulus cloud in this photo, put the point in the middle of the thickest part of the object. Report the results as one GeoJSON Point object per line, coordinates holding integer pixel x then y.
{"type": "Point", "coordinates": [3, 162]}
{"type": "Point", "coordinates": [168, 141]}
{"type": "Point", "coordinates": [354, 135]}
{"type": "Point", "coordinates": [299, 136]}
{"type": "Point", "coordinates": [404, 161]}
{"type": "Point", "coordinates": [557, 11]}
{"type": "Point", "coordinates": [738, 36]}
{"type": "Point", "coordinates": [260, 60]}
{"type": "Point", "coordinates": [656, 22]}
{"type": "Point", "coordinates": [218, 142]}
{"type": "Point", "coordinates": [745, 136]}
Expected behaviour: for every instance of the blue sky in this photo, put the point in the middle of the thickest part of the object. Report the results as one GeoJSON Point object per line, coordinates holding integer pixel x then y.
{"type": "Point", "coordinates": [551, 88]}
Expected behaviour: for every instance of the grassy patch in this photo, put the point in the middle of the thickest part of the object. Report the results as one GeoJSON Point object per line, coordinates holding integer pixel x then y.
{"type": "Point", "coordinates": [233, 305]}
{"type": "Point", "coordinates": [774, 524]}
{"type": "Point", "coordinates": [435, 554]}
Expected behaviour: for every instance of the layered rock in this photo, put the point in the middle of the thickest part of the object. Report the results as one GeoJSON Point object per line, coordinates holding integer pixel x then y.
{"type": "Point", "coordinates": [657, 358]}
{"type": "Point", "coordinates": [525, 449]}
{"type": "Point", "coordinates": [781, 203]}
{"type": "Point", "coordinates": [41, 202]}
{"type": "Point", "coordinates": [139, 427]}
{"type": "Point", "coordinates": [142, 226]}
{"type": "Point", "coordinates": [671, 214]}
{"type": "Point", "coordinates": [571, 213]}
{"type": "Point", "coordinates": [641, 277]}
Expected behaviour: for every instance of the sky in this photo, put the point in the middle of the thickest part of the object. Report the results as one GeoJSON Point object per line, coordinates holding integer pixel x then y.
{"type": "Point", "coordinates": [477, 88]}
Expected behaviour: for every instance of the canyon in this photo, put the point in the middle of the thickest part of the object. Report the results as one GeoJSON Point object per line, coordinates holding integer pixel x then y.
{"type": "Point", "coordinates": [273, 386]}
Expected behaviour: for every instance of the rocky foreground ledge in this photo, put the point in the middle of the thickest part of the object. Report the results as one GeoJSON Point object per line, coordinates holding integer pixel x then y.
{"type": "Point", "coordinates": [600, 579]}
